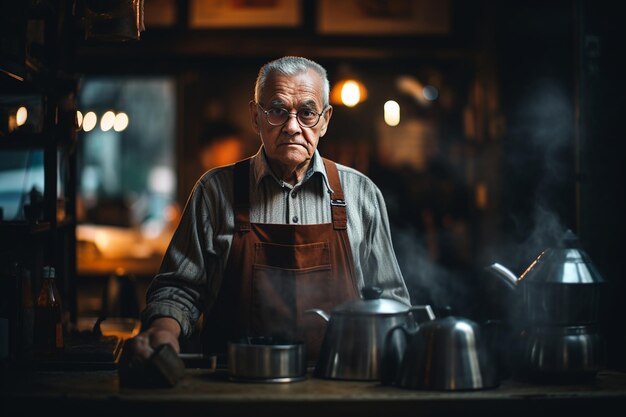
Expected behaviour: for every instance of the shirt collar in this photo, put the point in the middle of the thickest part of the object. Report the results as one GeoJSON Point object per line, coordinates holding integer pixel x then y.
{"type": "Point", "coordinates": [261, 169]}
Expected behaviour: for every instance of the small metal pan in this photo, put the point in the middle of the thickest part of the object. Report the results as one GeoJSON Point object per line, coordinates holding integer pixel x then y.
{"type": "Point", "coordinates": [266, 359]}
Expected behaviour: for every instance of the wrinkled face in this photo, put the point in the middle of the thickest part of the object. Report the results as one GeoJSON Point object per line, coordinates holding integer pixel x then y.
{"type": "Point", "coordinates": [291, 145]}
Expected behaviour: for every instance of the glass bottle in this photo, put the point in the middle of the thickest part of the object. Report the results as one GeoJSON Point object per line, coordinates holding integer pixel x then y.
{"type": "Point", "coordinates": [48, 317]}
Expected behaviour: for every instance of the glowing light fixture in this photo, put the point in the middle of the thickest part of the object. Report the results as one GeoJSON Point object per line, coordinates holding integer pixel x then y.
{"type": "Point", "coordinates": [348, 92]}
{"type": "Point", "coordinates": [392, 113]}
{"type": "Point", "coordinates": [121, 122]}
{"type": "Point", "coordinates": [89, 121]}
{"type": "Point", "coordinates": [107, 121]}
{"type": "Point", "coordinates": [21, 115]}
{"type": "Point", "coordinates": [79, 118]}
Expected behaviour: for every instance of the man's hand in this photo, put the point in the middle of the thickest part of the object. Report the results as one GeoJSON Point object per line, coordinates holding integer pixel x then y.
{"type": "Point", "coordinates": [138, 350]}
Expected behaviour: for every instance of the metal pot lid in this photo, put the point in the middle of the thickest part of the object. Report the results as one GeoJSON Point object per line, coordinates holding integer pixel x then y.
{"type": "Point", "coordinates": [372, 304]}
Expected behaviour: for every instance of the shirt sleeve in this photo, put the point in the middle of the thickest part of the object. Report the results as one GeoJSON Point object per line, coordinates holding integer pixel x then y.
{"type": "Point", "coordinates": [380, 266]}
{"type": "Point", "coordinates": [179, 289]}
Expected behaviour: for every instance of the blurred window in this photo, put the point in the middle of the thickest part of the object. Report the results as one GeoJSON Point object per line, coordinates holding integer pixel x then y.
{"type": "Point", "coordinates": [20, 172]}
{"type": "Point", "coordinates": [126, 159]}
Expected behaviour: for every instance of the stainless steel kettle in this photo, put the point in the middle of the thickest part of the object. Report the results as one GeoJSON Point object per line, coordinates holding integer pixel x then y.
{"type": "Point", "coordinates": [450, 353]}
{"type": "Point", "coordinates": [355, 335]}
{"type": "Point", "coordinates": [557, 320]}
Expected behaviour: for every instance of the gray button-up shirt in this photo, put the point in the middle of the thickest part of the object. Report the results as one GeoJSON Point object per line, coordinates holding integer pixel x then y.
{"type": "Point", "coordinates": [191, 272]}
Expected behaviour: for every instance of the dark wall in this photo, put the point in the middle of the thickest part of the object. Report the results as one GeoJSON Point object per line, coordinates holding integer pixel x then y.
{"type": "Point", "coordinates": [559, 65]}
{"type": "Point", "coordinates": [602, 93]}
{"type": "Point", "coordinates": [534, 54]}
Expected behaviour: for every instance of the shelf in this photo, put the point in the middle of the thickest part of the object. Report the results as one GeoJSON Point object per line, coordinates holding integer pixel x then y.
{"type": "Point", "coordinates": [14, 84]}
{"type": "Point", "coordinates": [41, 82]}
{"type": "Point", "coordinates": [12, 228]}
{"type": "Point", "coordinates": [37, 72]}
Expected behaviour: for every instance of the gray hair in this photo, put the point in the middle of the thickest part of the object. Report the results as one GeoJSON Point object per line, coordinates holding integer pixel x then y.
{"type": "Point", "coordinates": [291, 65]}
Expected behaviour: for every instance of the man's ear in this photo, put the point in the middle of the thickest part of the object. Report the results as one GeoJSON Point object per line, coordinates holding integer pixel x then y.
{"type": "Point", "coordinates": [253, 108]}
{"type": "Point", "coordinates": [326, 120]}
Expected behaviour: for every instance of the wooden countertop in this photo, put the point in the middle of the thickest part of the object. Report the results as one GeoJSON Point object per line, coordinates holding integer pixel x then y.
{"type": "Point", "coordinates": [210, 393]}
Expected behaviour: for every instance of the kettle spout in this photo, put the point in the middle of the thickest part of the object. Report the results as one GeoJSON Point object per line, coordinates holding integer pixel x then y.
{"type": "Point", "coordinates": [504, 274]}
{"type": "Point", "coordinates": [319, 312]}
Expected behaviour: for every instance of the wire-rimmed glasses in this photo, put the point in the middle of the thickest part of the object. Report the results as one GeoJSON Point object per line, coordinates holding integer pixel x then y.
{"type": "Point", "coordinates": [278, 116]}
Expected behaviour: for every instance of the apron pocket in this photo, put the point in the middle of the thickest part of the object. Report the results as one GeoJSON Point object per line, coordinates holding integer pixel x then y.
{"type": "Point", "coordinates": [279, 297]}
{"type": "Point", "coordinates": [295, 257]}
{"type": "Point", "coordinates": [288, 280]}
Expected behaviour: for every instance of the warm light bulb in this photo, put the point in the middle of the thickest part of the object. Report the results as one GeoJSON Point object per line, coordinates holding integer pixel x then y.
{"type": "Point", "coordinates": [121, 122]}
{"type": "Point", "coordinates": [21, 116]}
{"type": "Point", "coordinates": [79, 118]}
{"type": "Point", "coordinates": [392, 113]}
{"type": "Point", "coordinates": [350, 93]}
{"type": "Point", "coordinates": [107, 121]}
{"type": "Point", "coordinates": [89, 121]}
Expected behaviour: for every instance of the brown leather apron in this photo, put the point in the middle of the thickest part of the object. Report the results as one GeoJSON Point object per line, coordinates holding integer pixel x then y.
{"type": "Point", "coordinates": [275, 272]}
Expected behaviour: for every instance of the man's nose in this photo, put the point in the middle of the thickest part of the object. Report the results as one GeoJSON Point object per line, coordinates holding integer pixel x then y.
{"type": "Point", "coordinates": [292, 126]}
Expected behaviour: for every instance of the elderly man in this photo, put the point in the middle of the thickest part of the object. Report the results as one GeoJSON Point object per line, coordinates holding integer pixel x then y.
{"type": "Point", "coordinates": [265, 239]}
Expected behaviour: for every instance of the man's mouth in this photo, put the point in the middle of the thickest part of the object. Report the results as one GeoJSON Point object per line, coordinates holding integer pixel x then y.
{"type": "Point", "coordinates": [291, 144]}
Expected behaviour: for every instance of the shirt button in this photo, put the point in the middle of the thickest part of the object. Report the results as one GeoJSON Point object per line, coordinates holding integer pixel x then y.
{"type": "Point", "coordinates": [294, 194]}
{"type": "Point", "coordinates": [294, 219]}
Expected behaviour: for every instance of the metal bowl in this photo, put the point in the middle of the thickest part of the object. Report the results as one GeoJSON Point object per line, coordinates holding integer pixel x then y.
{"type": "Point", "coordinates": [266, 359]}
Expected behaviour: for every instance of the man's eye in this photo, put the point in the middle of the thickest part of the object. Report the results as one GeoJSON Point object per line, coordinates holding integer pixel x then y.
{"type": "Point", "coordinates": [307, 113]}
{"type": "Point", "coordinates": [276, 111]}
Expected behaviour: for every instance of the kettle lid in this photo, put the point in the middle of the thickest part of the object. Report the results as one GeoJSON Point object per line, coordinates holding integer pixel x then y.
{"type": "Point", "coordinates": [566, 263]}
{"type": "Point", "coordinates": [371, 304]}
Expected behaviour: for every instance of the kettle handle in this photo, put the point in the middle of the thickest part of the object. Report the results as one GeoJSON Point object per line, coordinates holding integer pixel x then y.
{"type": "Point", "coordinates": [426, 307]}
{"type": "Point", "coordinates": [504, 274]}
{"type": "Point", "coordinates": [319, 312]}
{"type": "Point", "coordinates": [390, 359]}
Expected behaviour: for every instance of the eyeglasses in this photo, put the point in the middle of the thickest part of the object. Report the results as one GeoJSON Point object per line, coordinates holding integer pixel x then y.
{"type": "Point", "coordinates": [277, 116]}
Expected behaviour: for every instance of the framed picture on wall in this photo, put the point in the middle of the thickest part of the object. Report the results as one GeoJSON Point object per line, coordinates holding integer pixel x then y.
{"type": "Point", "coordinates": [204, 14]}
{"type": "Point", "coordinates": [159, 13]}
{"type": "Point", "coordinates": [383, 17]}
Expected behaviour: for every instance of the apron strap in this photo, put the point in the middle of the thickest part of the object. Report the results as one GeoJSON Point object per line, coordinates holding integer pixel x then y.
{"type": "Point", "coordinates": [242, 196]}
{"type": "Point", "coordinates": [337, 200]}
{"type": "Point", "coordinates": [241, 190]}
